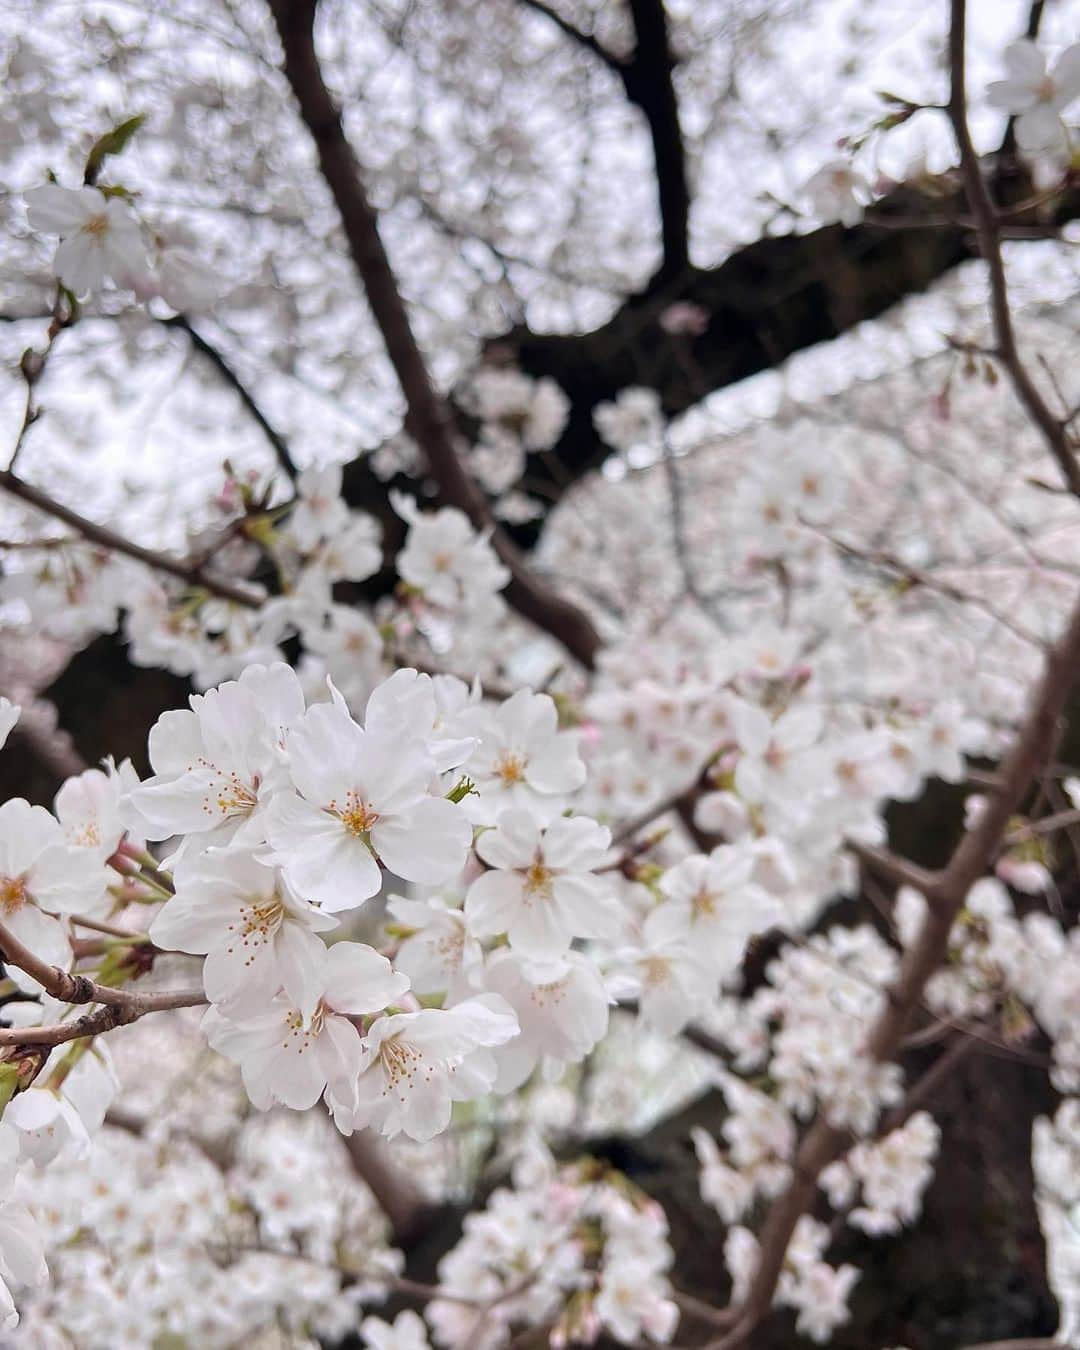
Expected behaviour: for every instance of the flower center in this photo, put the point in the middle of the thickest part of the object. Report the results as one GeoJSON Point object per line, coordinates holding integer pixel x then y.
{"type": "Point", "coordinates": [13, 894]}
{"type": "Point", "coordinates": [257, 924]}
{"type": "Point", "coordinates": [97, 226]}
{"type": "Point", "coordinates": [229, 796]}
{"type": "Point", "coordinates": [510, 769]}
{"type": "Point", "coordinates": [538, 879]}
{"type": "Point", "coordinates": [655, 971]}
{"type": "Point", "coordinates": [704, 902]}
{"type": "Point", "coordinates": [357, 815]}
{"type": "Point", "coordinates": [400, 1061]}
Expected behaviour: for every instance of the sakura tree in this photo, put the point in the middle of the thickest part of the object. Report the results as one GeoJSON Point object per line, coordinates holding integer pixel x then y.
{"type": "Point", "coordinates": [540, 568]}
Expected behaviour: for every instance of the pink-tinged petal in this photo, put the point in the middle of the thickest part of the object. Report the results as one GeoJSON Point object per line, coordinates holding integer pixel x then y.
{"type": "Point", "coordinates": [359, 980]}
{"type": "Point", "coordinates": [79, 263]}
{"type": "Point", "coordinates": [486, 1019]}
{"type": "Point", "coordinates": [189, 925]}
{"type": "Point", "coordinates": [665, 1007]}
{"type": "Point", "coordinates": [1040, 129]}
{"type": "Point", "coordinates": [25, 832]}
{"type": "Point", "coordinates": [44, 936]}
{"type": "Point", "coordinates": [527, 719]}
{"type": "Point", "coordinates": [427, 1109]}
{"type": "Point", "coordinates": [186, 805]}
{"type": "Point", "coordinates": [243, 979]}
{"type": "Point", "coordinates": [798, 729]}
{"type": "Point", "coordinates": [339, 1051]}
{"type": "Point", "coordinates": [1011, 96]}
{"type": "Point", "coordinates": [397, 773]}
{"type": "Point", "coordinates": [324, 749]}
{"type": "Point", "coordinates": [428, 843]}
{"type": "Point", "coordinates": [175, 742]}
{"type": "Point", "coordinates": [753, 729]}
{"type": "Point", "coordinates": [492, 901]}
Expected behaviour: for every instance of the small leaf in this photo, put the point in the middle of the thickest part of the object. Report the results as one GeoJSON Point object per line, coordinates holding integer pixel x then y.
{"type": "Point", "coordinates": [112, 143]}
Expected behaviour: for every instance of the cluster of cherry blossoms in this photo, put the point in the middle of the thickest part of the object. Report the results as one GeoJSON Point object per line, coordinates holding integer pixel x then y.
{"type": "Point", "coordinates": [397, 896]}
{"type": "Point", "coordinates": [577, 1249]}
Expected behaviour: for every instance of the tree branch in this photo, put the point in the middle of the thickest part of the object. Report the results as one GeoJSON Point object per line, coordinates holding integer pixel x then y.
{"type": "Point", "coordinates": [648, 83]}
{"type": "Point", "coordinates": [1053, 429]}
{"type": "Point", "coordinates": [585, 40]}
{"type": "Point", "coordinates": [823, 1143]}
{"type": "Point", "coordinates": [117, 543]}
{"type": "Point", "coordinates": [216, 359]}
{"type": "Point", "coordinates": [428, 418]}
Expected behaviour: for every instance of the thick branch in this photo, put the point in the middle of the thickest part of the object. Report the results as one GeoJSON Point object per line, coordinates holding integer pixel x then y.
{"type": "Point", "coordinates": [767, 301]}
{"type": "Point", "coordinates": [428, 418]}
{"type": "Point", "coordinates": [648, 82]}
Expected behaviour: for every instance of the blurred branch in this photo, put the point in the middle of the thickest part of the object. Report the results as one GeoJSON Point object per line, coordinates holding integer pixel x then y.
{"type": "Point", "coordinates": [230, 377]}
{"type": "Point", "coordinates": [392, 1186]}
{"type": "Point", "coordinates": [585, 40]}
{"type": "Point", "coordinates": [117, 543]}
{"type": "Point", "coordinates": [1054, 429]}
{"type": "Point", "coordinates": [428, 419]}
{"type": "Point", "coordinates": [647, 77]}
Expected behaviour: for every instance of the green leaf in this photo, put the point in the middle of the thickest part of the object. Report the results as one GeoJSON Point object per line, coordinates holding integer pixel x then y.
{"type": "Point", "coordinates": [112, 143]}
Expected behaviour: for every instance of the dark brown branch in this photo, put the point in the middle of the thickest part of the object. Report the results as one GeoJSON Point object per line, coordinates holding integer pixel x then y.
{"type": "Point", "coordinates": [428, 418]}
{"type": "Point", "coordinates": [648, 82]}
{"type": "Point", "coordinates": [646, 78]}
{"type": "Point", "coordinates": [768, 300]}
{"type": "Point", "coordinates": [585, 40]}
{"type": "Point", "coordinates": [117, 543]}
{"type": "Point", "coordinates": [225, 370]}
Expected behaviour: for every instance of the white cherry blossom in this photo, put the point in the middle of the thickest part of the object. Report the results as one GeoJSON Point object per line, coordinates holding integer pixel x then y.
{"type": "Point", "coordinates": [542, 890]}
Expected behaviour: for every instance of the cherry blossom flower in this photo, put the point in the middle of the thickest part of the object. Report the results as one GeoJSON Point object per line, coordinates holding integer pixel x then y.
{"type": "Point", "coordinates": [672, 979]}
{"type": "Point", "coordinates": [1037, 96]}
{"type": "Point", "coordinates": [542, 891]}
{"type": "Point", "coordinates": [361, 795]}
{"type": "Point", "coordinates": [440, 955]}
{"type": "Point", "coordinates": [416, 1065]}
{"type": "Point", "coordinates": [320, 511]}
{"type": "Point", "coordinates": [40, 876]}
{"type": "Point", "coordinates": [406, 1333]}
{"type": "Point", "coordinates": [292, 1057]}
{"type": "Point", "coordinates": [522, 759]}
{"type": "Point", "coordinates": [256, 936]}
{"type": "Point", "coordinates": [562, 1010]}
{"type": "Point", "coordinates": [714, 902]}
{"type": "Point", "coordinates": [836, 191]}
{"type": "Point", "coordinates": [217, 765]}
{"type": "Point", "coordinates": [99, 235]}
